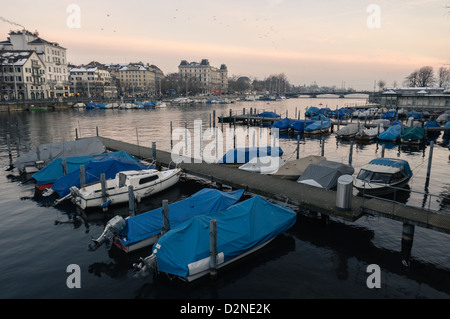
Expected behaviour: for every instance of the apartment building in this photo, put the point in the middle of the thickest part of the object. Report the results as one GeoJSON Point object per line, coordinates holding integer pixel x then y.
{"type": "Point", "coordinates": [202, 74]}
{"type": "Point", "coordinates": [91, 81]}
{"type": "Point", "coordinates": [137, 79]}
{"type": "Point", "coordinates": [52, 55]}
{"type": "Point", "coordinates": [22, 76]}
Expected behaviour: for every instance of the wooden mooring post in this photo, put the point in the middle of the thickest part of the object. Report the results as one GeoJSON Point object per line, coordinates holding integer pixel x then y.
{"type": "Point", "coordinates": [213, 248]}
{"type": "Point", "coordinates": [407, 242]}
{"type": "Point", "coordinates": [165, 213]}
{"type": "Point", "coordinates": [131, 201]}
{"type": "Point", "coordinates": [82, 176]}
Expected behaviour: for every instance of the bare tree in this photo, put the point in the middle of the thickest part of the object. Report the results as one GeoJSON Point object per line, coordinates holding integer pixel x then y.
{"type": "Point", "coordinates": [424, 77]}
{"type": "Point", "coordinates": [444, 77]}
{"type": "Point", "coordinates": [381, 84]}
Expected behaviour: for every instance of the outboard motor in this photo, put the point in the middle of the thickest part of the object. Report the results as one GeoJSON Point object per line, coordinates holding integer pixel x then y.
{"type": "Point", "coordinates": [114, 226]}
{"type": "Point", "coordinates": [145, 266]}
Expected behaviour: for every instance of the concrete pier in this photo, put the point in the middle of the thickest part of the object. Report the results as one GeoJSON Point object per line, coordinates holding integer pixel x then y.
{"type": "Point", "coordinates": [305, 197]}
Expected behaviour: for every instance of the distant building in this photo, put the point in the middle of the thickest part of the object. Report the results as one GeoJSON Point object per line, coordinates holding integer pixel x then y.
{"type": "Point", "coordinates": [52, 55]}
{"type": "Point", "coordinates": [92, 80]}
{"type": "Point", "coordinates": [205, 76]}
{"type": "Point", "coordinates": [415, 98]}
{"type": "Point", "coordinates": [137, 80]}
{"type": "Point", "coordinates": [22, 76]}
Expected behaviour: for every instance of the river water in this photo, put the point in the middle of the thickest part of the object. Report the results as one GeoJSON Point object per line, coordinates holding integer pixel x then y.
{"type": "Point", "coordinates": [314, 259]}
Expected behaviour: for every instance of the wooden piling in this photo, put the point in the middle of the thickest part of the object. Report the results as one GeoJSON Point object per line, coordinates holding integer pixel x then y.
{"type": "Point", "coordinates": [213, 248]}
{"type": "Point", "coordinates": [171, 136]}
{"type": "Point", "coordinates": [154, 150]}
{"type": "Point", "coordinates": [131, 201]}
{"type": "Point", "coordinates": [350, 156]}
{"type": "Point", "coordinates": [165, 212]}
{"type": "Point", "coordinates": [64, 164]}
{"type": "Point", "coordinates": [82, 176]}
{"type": "Point", "coordinates": [103, 183]}
{"type": "Point", "coordinates": [430, 158]}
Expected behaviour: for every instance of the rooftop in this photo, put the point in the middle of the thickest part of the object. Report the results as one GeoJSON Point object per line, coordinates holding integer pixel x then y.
{"type": "Point", "coordinates": [14, 57]}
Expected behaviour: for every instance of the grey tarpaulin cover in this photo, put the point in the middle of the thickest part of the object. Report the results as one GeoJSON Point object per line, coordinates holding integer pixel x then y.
{"type": "Point", "coordinates": [325, 173]}
{"type": "Point", "coordinates": [48, 152]}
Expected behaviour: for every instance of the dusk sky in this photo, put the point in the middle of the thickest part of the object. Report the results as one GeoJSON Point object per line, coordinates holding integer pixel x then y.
{"type": "Point", "coordinates": [329, 42]}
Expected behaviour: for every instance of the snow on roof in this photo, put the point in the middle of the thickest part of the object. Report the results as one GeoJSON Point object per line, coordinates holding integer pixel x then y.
{"type": "Point", "coordinates": [83, 69]}
{"type": "Point", "coordinates": [14, 57]}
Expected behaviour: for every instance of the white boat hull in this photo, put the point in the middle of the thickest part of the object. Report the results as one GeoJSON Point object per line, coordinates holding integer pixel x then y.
{"type": "Point", "coordinates": [203, 266]}
{"type": "Point", "coordinates": [91, 196]}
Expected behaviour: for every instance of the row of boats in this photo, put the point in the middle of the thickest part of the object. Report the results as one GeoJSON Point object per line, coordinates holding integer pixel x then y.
{"type": "Point", "coordinates": [180, 234]}
{"type": "Point", "coordinates": [413, 132]}
{"type": "Point", "coordinates": [180, 238]}
{"type": "Point", "coordinates": [376, 112]}
{"type": "Point", "coordinates": [124, 105]}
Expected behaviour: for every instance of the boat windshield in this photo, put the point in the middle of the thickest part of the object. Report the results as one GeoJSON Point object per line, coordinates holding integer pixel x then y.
{"type": "Point", "coordinates": [374, 177]}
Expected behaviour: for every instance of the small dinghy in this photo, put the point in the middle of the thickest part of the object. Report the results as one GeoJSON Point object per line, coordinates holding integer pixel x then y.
{"type": "Point", "coordinates": [145, 183]}
{"type": "Point", "coordinates": [263, 165]}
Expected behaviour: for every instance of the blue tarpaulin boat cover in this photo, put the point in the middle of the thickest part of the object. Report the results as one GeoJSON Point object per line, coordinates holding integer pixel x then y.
{"type": "Point", "coordinates": [312, 111]}
{"type": "Point", "coordinates": [391, 133]}
{"type": "Point", "coordinates": [50, 173]}
{"type": "Point", "coordinates": [317, 125]}
{"type": "Point", "coordinates": [240, 228]}
{"type": "Point", "coordinates": [299, 125]}
{"type": "Point", "coordinates": [320, 117]}
{"type": "Point", "coordinates": [268, 114]}
{"type": "Point", "coordinates": [393, 162]}
{"type": "Point", "coordinates": [447, 133]}
{"type": "Point", "coordinates": [110, 166]}
{"type": "Point", "coordinates": [389, 115]}
{"type": "Point", "coordinates": [281, 124]}
{"type": "Point", "coordinates": [204, 202]}
{"type": "Point", "coordinates": [245, 154]}
{"type": "Point", "coordinates": [416, 115]}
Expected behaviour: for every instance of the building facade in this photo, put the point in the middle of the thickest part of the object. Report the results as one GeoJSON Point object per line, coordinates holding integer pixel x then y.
{"type": "Point", "coordinates": [52, 54]}
{"type": "Point", "coordinates": [22, 76]}
{"type": "Point", "coordinates": [415, 98]}
{"type": "Point", "coordinates": [91, 82]}
{"type": "Point", "coordinates": [205, 76]}
{"type": "Point", "coordinates": [137, 80]}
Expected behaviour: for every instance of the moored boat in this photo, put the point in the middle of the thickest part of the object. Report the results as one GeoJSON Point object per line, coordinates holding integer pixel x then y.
{"type": "Point", "coordinates": [318, 127]}
{"type": "Point", "coordinates": [185, 251]}
{"type": "Point", "coordinates": [368, 134]}
{"type": "Point", "coordinates": [143, 230]}
{"type": "Point", "coordinates": [380, 174]}
{"type": "Point", "coordinates": [42, 155]}
{"type": "Point", "coordinates": [243, 155]}
{"type": "Point", "coordinates": [145, 183]}
{"type": "Point", "coordinates": [46, 177]}
{"type": "Point", "coordinates": [413, 135]}
{"type": "Point", "coordinates": [263, 165]}
{"type": "Point", "coordinates": [347, 132]}
{"type": "Point", "coordinates": [391, 134]}
{"type": "Point", "coordinates": [324, 174]}
{"type": "Point", "coordinates": [294, 169]}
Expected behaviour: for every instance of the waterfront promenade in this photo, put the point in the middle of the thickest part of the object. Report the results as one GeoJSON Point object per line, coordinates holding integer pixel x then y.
{"type": "Point", "coordinates": [308, 199]}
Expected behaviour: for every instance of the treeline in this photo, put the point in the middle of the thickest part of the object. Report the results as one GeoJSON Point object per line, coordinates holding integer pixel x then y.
{"type": "Point", "coordinates": [425, 77]}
